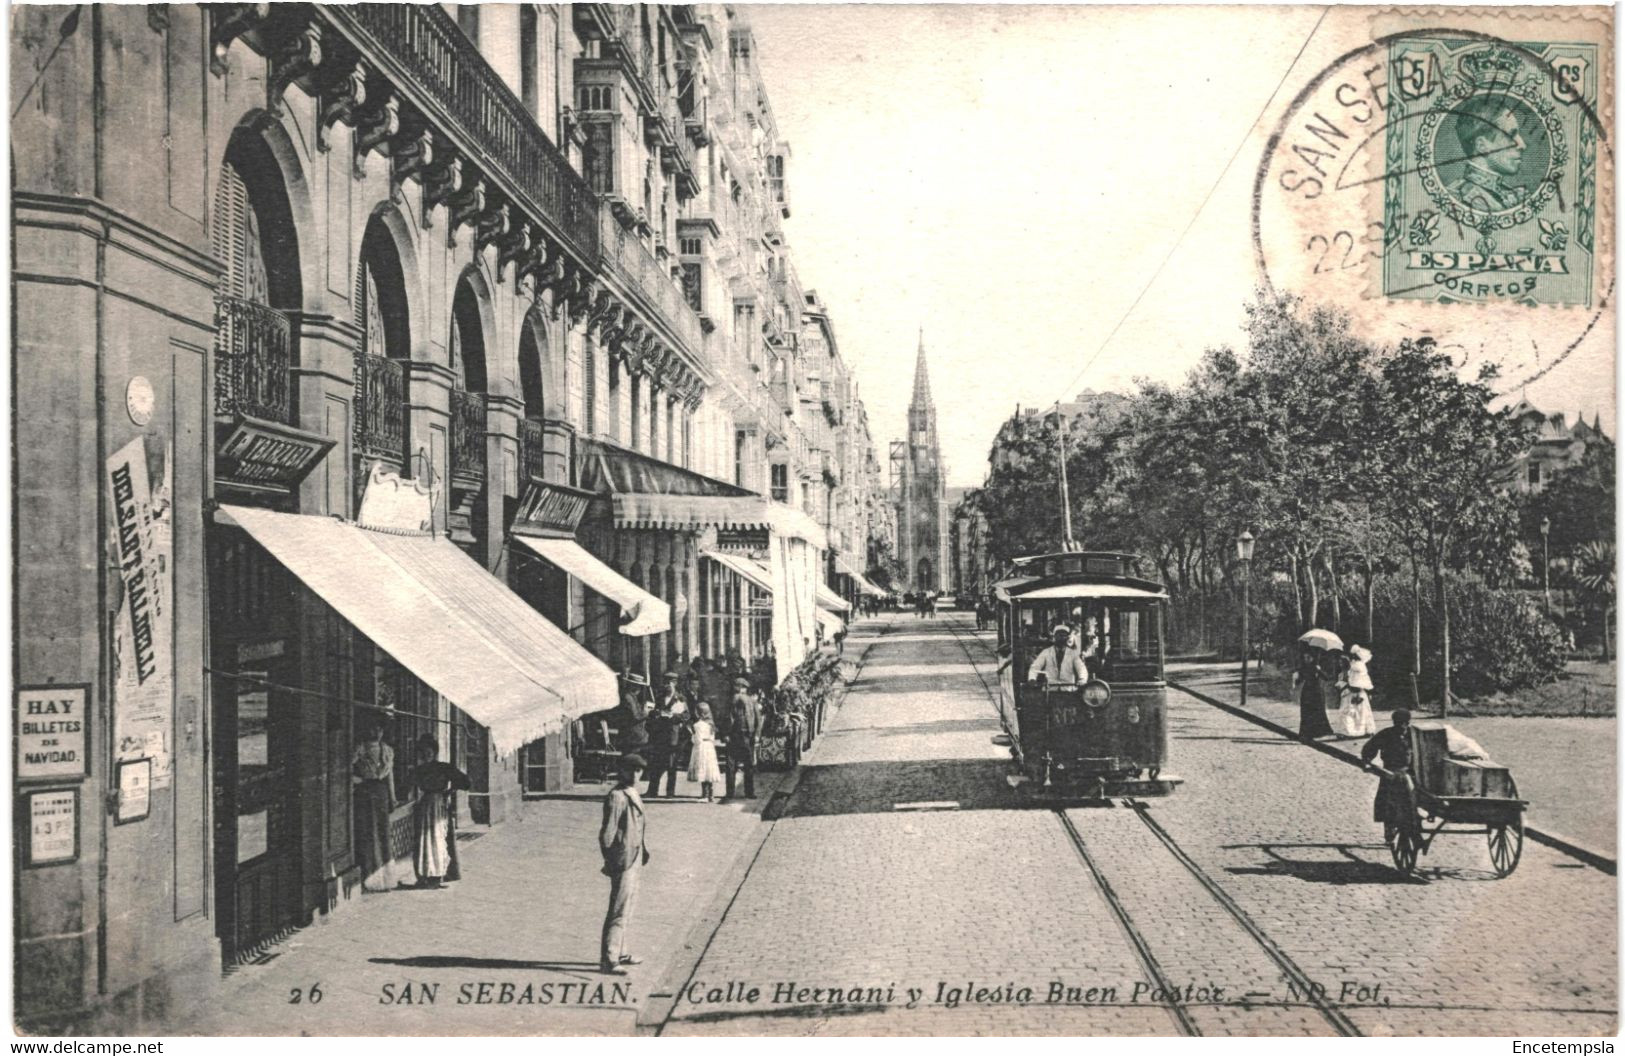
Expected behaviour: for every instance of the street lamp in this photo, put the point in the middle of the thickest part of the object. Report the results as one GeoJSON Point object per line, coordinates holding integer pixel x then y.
{"type": "Point", "coordinates": [1244, 554]}
{"type": "Point", "coordinates": [1546, 561]}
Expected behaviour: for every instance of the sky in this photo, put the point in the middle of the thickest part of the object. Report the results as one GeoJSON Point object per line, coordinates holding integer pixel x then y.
{"type": "Point", "coordinates": [1012, 178]}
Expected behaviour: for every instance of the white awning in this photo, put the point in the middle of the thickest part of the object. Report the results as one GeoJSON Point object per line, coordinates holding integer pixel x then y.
{"type": "Point", "coordinates": [693, 512]}
{"type": "Point", "coordinates": [442, 617]}
{"type": "Point", "coordinates": [647, 613]}
{"type": "Point", "coordinates": [831, 623]}
{"type": "Point", "coordinates": [847, 568]}
{"type": "Point", "coordinates": [828, 599]}
{"type": "Point", "coordinates": [754, 571]}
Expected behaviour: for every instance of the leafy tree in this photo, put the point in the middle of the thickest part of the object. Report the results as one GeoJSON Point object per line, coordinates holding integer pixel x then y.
{"type": "Point", "coordinates": [1578, 503]}
{"type": "Point", "coordinates": [1443, 452]}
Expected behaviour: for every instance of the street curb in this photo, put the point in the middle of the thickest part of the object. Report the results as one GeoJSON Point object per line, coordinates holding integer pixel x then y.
{"type": "Point", "coordinates": [1600, 862]}
{"type": "Point", "coordinates": [654, 1014]}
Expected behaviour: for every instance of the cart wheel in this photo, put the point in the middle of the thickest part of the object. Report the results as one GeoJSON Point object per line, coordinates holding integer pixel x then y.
{"type": "Point", "coordinates": [1506, 845]}
{"type": "Point", "coordinates": [1403, 843]}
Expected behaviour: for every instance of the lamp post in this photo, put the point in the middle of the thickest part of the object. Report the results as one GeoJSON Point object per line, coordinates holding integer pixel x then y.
{"type": "Point", "coordinates": [1244, 554]}
{"type": "Point", "coordinates": [1546, 562]}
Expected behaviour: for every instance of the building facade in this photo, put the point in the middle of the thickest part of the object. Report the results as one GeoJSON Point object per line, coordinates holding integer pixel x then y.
{"type": "Point", "coordinates": [397, 366]}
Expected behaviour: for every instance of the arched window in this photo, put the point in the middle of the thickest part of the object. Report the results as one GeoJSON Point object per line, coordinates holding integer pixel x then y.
{"type": "Point", "coordinates": [532, 340]}
{"type": "Point", "coordinates": [251, 234]}
{"type": "Point", "coordinates": [467, 399]}
{"type": "Point", "coordinates": [381, 318]}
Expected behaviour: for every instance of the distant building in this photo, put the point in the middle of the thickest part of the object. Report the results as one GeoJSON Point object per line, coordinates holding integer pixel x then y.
{"type": "Point", "coordinates": [1557, 446]}
{"type": "Point", "coordinates": [922, 512]}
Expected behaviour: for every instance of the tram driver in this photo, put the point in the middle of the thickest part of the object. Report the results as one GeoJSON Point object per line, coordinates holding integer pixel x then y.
{"type": "Point", "coordinates": [1060, 664]}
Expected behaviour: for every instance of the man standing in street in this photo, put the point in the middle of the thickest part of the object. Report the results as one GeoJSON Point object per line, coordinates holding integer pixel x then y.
{"type": "Point", "coordinates": [665, 725]}
{"type": "Point", "coordinates": [744, 727]}
{"type": "Point", "coordinates": [622, 843]}
{"type": "Point", "coordinates": [1396, 796]}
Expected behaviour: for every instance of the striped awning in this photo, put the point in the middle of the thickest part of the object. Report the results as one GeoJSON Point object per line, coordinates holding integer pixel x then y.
{"type": "Point", "coordinates": [444, 618]}
{"type": "Point", "coordinates": [693, 512]}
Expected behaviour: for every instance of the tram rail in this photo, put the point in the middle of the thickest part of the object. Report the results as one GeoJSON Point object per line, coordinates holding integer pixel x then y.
{"type": "Point", "coordinates": [1300, 982]}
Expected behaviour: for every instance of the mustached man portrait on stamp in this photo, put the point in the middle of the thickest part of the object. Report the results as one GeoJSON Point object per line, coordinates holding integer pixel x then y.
{"type": "Point", "coordinates": [882, 520]}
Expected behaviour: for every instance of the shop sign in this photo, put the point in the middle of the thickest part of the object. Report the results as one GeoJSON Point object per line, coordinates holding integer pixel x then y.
{"type": "Point", "coordinates": [550, 509]}
{"type": "Point", "coordinates": [53, 826]}
{"type": "Point", "coordinates": [393, 504]}
{"type": "Point", "coordinates": [752, 542]}
{"type": "Point", "coordinates": [268, 457]}
{"type": "Point", "coordinates": [143, 677]}
{"type": "Point", "coordinates": [52, 732]}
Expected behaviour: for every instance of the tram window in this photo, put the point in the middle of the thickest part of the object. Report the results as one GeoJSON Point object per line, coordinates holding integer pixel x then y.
{"type": "Point", "coordinates": [1130, 641]}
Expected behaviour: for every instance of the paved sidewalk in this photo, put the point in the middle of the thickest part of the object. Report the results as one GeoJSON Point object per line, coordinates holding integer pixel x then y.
{"type": "Point", "coordinates": [1565, 767]}
{"type": "Point", "coordinates": [512, 948]}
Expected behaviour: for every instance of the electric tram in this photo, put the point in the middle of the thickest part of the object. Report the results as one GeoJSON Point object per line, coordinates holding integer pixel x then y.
{"type": "Point", "coordinates": [1107, 736]}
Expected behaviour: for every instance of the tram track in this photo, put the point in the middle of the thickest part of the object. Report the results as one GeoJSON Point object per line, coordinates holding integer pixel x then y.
{"type": "Point", "coordinates": [1182, 1012]}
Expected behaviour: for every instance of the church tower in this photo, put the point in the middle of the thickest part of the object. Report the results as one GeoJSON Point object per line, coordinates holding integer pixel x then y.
{"type": "Point", "coordinates": [919, 520]}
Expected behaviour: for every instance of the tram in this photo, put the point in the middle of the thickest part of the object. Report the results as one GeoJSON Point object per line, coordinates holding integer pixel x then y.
{"type": "Point", "coordinates": [1109, 735]}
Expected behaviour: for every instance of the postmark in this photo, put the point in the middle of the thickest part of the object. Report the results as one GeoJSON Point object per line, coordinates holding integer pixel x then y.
{"type": "Point", "coordinates": [1366, 199]}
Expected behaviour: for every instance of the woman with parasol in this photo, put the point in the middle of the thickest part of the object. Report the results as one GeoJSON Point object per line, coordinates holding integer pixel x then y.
{"type": "Point", "coordinates": [1310, 681]}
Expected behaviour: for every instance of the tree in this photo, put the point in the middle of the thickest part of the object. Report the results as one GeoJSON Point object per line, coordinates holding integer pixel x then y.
{"type": "Point", "coordinates": [1594, 575]}
{"type": "Point", "coordinates": [1443, 454]}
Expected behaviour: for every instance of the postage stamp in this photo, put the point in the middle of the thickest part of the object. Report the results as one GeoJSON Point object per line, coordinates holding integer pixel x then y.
{"type": "Point", "coordinates": [1490, 171]}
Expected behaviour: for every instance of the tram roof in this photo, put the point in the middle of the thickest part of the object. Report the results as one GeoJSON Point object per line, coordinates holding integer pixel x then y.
{"type": "Point", "coordinates": [1013, 590]}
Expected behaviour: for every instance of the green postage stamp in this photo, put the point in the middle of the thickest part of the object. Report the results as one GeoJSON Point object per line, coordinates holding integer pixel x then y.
{"type": "Point", "coordinates": [1490, 172]}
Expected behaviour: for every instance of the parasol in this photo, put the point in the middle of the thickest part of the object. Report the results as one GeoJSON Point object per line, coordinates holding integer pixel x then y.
{"type": "Point", "coordinates": [1319, 639]}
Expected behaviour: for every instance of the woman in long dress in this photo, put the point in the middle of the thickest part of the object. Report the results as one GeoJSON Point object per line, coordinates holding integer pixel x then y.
{"type": "Point", "coordinates": [1354, 718]}
{"type": "Point", "coordinates": [1311, 699]}
{"type": "Point", "coordinates": [373, 767]}
{"type": "Point", "coordinates": [702, 758]}
{"type": "Point", "coordinates": [436, 783]}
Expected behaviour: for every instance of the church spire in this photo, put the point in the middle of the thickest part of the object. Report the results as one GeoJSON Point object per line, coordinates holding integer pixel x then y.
{"type": "Point", "coordinates": [922, 380]}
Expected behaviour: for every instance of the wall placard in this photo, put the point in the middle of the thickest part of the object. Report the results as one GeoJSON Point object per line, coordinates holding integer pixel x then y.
{"type": "Point", "coordinates": [134, 791]}
{"type": "Point", "coordinates": [53, 826]}
{"type": "Point", "coordinates": [53, 732]}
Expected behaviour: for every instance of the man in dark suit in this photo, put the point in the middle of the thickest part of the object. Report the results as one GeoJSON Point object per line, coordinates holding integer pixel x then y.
{"type": "Point", "coordinates": [1396, 794]}
{"type": "Point", "coordinates": [621, 839]}
{"type": "Point", "coordinates": [665, 726]}
{"type": "Point", "coordinates": [744, 727]}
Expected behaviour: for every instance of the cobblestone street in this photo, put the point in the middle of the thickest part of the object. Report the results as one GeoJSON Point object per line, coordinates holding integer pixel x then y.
{"type": "Point", "coordinates": [905, 868]}
{"type": "Point", "coordinates": [903, 888]}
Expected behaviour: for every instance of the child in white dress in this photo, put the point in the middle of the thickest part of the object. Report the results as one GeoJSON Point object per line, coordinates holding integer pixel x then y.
{"type": "Point", "coordinates": [702, 763]}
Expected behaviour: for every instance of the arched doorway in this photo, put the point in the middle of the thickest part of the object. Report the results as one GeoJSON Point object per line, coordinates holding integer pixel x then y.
{"type": "Point", "coordinates": [923, 579]}
{"type": "Point", "coordinates": [466, 516]}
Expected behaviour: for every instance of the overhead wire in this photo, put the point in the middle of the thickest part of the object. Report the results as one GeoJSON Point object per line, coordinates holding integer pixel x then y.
{"type": "Point", "coordinates": [1247, 135]}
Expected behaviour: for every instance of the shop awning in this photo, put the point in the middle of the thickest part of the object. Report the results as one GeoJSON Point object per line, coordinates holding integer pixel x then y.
{"type": "Point", "coordinates": [693, 512]}
{"type": "Point", "coordinates": [647, 613]}
{"type": "Point", "coordinates": [847, 568]}
{"type": "Point", "coordinates": [831, 623]}
{"type": "Point", "coordinates": [828, 599]}
{"type": "Point", "coordinates": [754, 571]}
{"type": "Point", "coordinates": [442, 617]}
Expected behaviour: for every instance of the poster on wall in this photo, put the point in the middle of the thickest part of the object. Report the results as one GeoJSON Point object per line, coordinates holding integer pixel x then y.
{"type": "Point", "coordinates": [142, 536]}
{"type": "Point", "coordinates": [53, 826]}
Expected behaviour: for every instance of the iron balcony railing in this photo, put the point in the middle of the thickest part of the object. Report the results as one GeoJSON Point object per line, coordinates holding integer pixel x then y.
{"type": "Point", "coordinates": [532, 449]}
{"type": "Point", "coordinates": [467, 438]}
{"type": "Point", "coordinates": [253, 361]}
{"type": "Point", "coordinates": [630, 261]}
{"type": "Point", "coordinates": [380, 385]}
{"type": "Point", "coordinates": [436, 67]}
